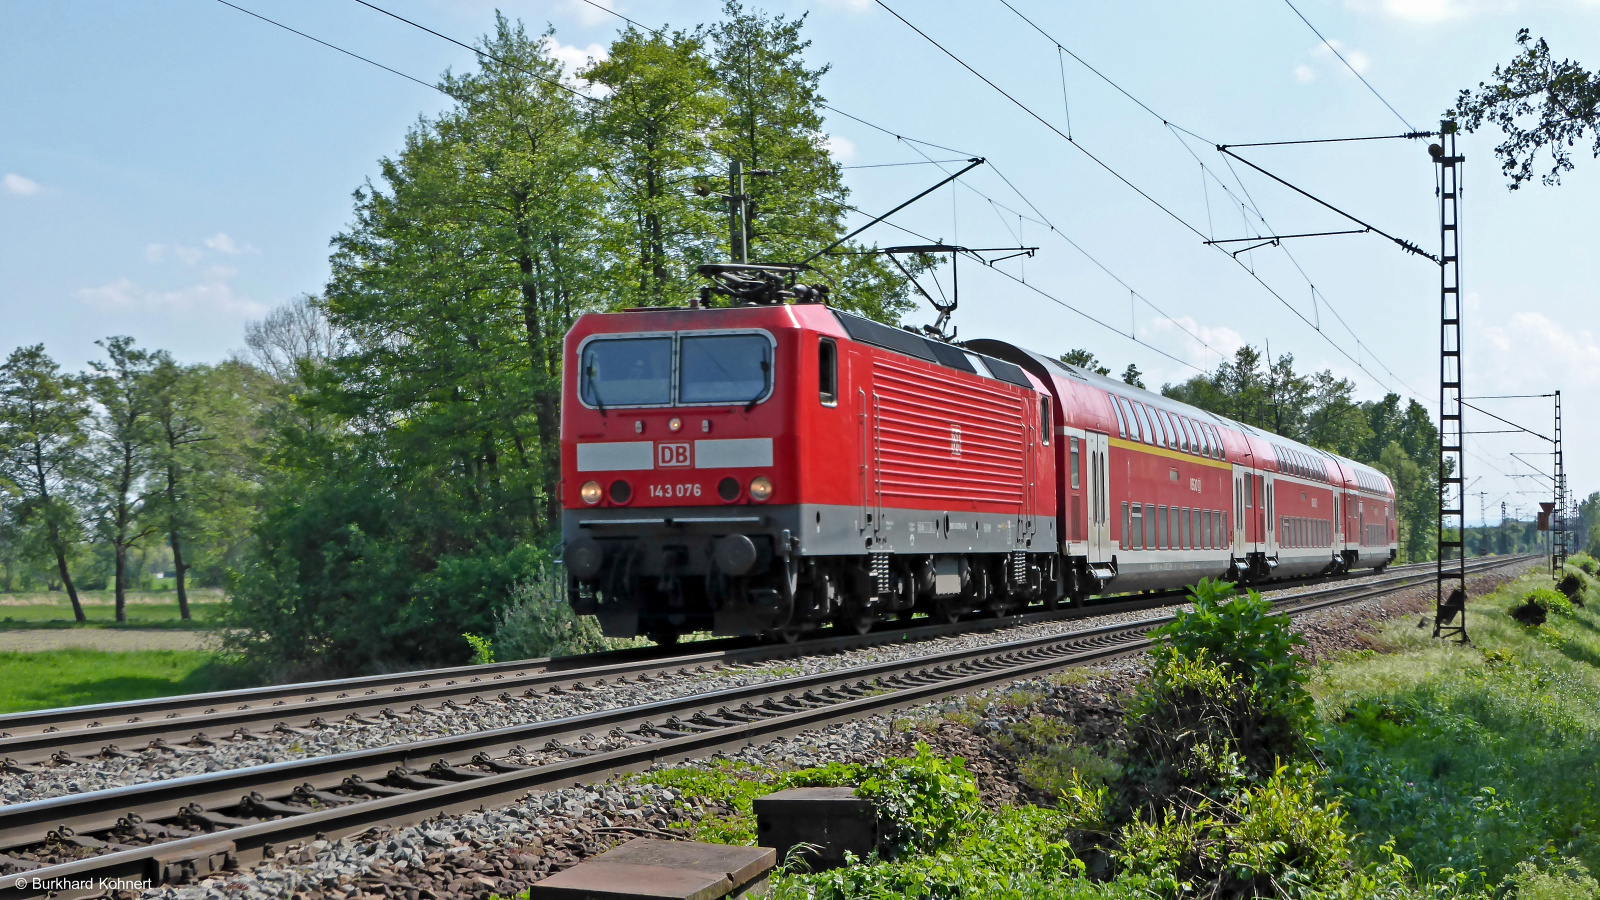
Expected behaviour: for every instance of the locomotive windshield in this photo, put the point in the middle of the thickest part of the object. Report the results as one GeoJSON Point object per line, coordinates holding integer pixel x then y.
{"type": "Point", "coordinates": [627, 372]}
{"type": "Point", "coordinates": [710, 368]}
{"type": "Point", "coordinates": [724, 368]}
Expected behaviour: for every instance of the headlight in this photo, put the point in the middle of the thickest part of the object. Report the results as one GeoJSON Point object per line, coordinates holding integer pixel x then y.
{"type": "Point", "coordinates": [621, 492]}
{"type": "Point", "coordinates": [590, 492]}
{"type": "Point", "coordinates": [760, 488]}
{"type": "Point", "coordinates": [674, 424]}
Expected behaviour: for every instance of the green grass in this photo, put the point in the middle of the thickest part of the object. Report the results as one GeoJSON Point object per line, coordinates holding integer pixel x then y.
{"type": "Point", "coordinates": [1473, 759]}
{"type": "Point", "coordinates": [146, 609]}
{"type": "Point", "coordinates": [76, 677]}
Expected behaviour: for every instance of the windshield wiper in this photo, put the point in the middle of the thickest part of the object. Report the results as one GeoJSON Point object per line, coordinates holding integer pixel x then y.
{"type": "Point", "coordinates": [766, 377]}
{"type": "Point", "coordinates": [594, 391]}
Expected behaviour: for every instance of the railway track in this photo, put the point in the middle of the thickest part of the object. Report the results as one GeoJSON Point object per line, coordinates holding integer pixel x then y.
{"type": "Point", "coordinates": [198, 720]}
{"type": "Point", "coordinates": [178, 829]}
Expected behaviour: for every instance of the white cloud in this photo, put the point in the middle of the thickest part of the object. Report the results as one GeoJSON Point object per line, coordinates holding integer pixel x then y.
{"type": "Point", "coordinates": [223, 244]}
{"type": "Point", "coordinates": [155, 252]}
{"type": "Point", "coordinates": [571, 57]}
{"type": "Point", "coordinates": [1429, 11]}
{"type": "Point", "coordinates": [588, 15]}
{"type": "Point", "coordinates": [842, 148]}
{"type": "Point", "coordinates": [22, 187]}
{"type": "Point", "coordinates": [1515, 354]}
{"type": "Point", "coordinates": [188, 255]}
{"type": "Point", "coordinates": [1304, 73]}
{"type": "Point", "coordinates": [1357, 59]}
{"type": "Point", "coordinates": [1185, 329]}
{"type": "Point", "coordinates": [212, 296]}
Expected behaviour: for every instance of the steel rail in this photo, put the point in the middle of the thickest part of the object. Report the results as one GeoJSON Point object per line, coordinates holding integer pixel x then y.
{"type": "Point", "coordinates": [39, 735]}
{"type": "Point", "coordinates": [710, 723]}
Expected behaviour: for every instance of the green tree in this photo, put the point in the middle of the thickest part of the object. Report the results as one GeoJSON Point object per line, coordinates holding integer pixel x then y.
{"type": "Point", "coordinates": [121, 453]}
{"type": "Point", "coordinates": [204, 421]}
{"type": "Point", "coordinates": [412, 482]}
{"type": "Point", "coordinates": [772, 120]}
{"type": "Point", "coordinates": [1540, 104]}
{"type": "Point", "coordinates": [1415, 500]}
{"type": "Point", "coordinates": [1083, 359]}
{"type": "Point", "coordinates": [653, 130]}
{"type": "Point", "coordinates": [1132, 375]}
{"type": "Point", "coordinates": [42, 417]}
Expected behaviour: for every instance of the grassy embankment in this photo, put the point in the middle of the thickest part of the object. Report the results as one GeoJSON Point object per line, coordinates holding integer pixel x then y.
{"type": "Point", "coordinates": [73, 676]}
{"type": "Point", "coordinates": [1433, 772]}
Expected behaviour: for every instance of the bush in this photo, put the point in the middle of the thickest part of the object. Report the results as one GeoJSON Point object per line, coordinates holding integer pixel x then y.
{"type": "Point", "coordinates": [1587, 563]}
{"type": "Point", "coordinates": [1225, 701]}
{"type": "Point", "coordinates": [1565, 879]}
{"type": "Point", "coordinates": [539, 622]}
{"type": "Point", "coordinates": [1574, 585]}
{"type": "Point", "coordinates": [1277, 839]}
{"type": "Point", "coordinates": [1538, 605]}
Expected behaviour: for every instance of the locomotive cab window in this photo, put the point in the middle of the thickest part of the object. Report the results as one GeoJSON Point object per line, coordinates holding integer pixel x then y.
{"type": "Point", "coordinates": [828, 372]}
{"type": "Point", "coordinates": [1073, 442]}
{"type": "Point", "coordinates": [724, 368]}
{"type": "Point", "coordinates": [1044, 423]}
{"type": "Point", "coordinates": [627, 372]}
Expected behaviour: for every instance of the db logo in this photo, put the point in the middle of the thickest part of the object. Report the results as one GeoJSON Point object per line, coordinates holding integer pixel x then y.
{"type": "Point", "coordinates": [672, 455]}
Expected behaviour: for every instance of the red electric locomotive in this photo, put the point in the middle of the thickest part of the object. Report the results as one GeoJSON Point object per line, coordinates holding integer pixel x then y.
{"type": "Point", "coordinates": [768, 467]}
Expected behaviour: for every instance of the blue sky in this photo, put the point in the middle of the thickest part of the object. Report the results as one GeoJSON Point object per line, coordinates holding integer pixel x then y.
{"type": "Point", "coordinates": [172, 169]}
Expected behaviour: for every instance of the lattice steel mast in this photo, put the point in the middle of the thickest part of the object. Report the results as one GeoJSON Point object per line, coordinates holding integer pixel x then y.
{"type": "Point", "coordinates": [1558, 525]}
{"type": "Point", "coordinates": [1450, 591]}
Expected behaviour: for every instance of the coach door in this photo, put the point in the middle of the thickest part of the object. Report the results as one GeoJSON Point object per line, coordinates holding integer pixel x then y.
{"type": "Point", "coordinates": [1240, 548]}
{"type": "Point", "coordinates": [867, 449]}
{"type": "Point", "coordinates": [1099, 488]}
{"type": "Point", "coordinates": [1270, 536]}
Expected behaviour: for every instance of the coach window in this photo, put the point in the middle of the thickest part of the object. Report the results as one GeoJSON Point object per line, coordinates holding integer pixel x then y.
{"type": "Point", "coordinates": [1136, 537]}
{"type": "Point", "coordinates": [1161, 528]}
{"type": "Point", "coordinates": [1172, 430]}
{"type": "Point", "coordinates": [1073, 443]}
{"type": "Point", "coordinates": [1122, 424]}
{"type": "Point", "coordinates": [828, 372]}
{"type": "Point", "coordinates": [1176, 529]}
{"type": "Point", "coordinates": [1189, 446]}
{"type": "Point", "coordinates": [1126, 533]}
{"type": "Point", "coordinates": [1150, 526]}
{"type": "Point", "coordinates": [1216, 440]}
{"type": "Point", "coordinates": [1044, 421]}
{"type": "Point", "coordinates": [1151, 436]}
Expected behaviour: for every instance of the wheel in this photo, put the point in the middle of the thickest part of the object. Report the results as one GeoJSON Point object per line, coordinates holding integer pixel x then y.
{"type": "Point", "coordinates": [860, 623]}
{"type": "Point", "coordinates": [663, 635]}
{"type": "Point", "coordinates": [946, 611]}
{"type": "Point", "coordinates": [789, 634]}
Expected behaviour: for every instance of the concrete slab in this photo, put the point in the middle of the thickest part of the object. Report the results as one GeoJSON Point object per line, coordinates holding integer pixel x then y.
{"type": "Point", "coordinates": [647, 869]}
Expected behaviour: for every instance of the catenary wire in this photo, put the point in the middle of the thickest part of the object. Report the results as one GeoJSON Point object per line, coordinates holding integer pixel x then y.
{"type": "Point", "coordinates": [1175, 129]}
{"type": "Point", "coordinates": [324, 43]}
{"type": "Point", "coordinates": [1347, 65]}
{"type": "Point", "coordinates": [1179, 219]}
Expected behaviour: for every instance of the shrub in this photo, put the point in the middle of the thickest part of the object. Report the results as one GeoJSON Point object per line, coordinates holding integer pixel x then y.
{"type": "Point", "coordinates": [1275, 839]}
{"type": "Point", "coordinates": [1538, 604]}
{"type": "Point", "coordinates": [539, 622]}
{"type": "Point", "coordinates": [1564, 879]}
{"type": "Point", "coordinates": [1574, 585]}
{"type": "Point", "coordinates": [1587, 563]}
{"type": "Point", "coordinates": [1224, 701]}
{"type": "Point", "coordinates": [482, 649]}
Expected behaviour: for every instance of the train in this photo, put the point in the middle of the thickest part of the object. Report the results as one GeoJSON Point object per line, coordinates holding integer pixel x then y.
{"type": "Point", "coordinates": [775, 464]}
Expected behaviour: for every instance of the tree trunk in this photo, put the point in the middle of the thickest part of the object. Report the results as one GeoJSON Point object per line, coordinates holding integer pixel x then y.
{"type": "Point", "coordinates": [172, 535]}
{"type": "Point", "coordinates": [121, 586]}
{"type": "Point", "coordinates": [545, 415]}
{"type": "Point", "coordinates": [179, 568]}
{"type": "Point", "coordinates": [66, 580]}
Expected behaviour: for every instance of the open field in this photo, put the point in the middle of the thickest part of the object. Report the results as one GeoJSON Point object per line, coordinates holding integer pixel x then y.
{"type": "Point", "coordinates": [52, 678]}
{"type": "Point", "coordinates": [146, 609]}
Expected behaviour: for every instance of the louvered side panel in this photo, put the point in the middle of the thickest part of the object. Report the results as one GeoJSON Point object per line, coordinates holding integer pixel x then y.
{"type": "Point", "coordinates": [940, 441]}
